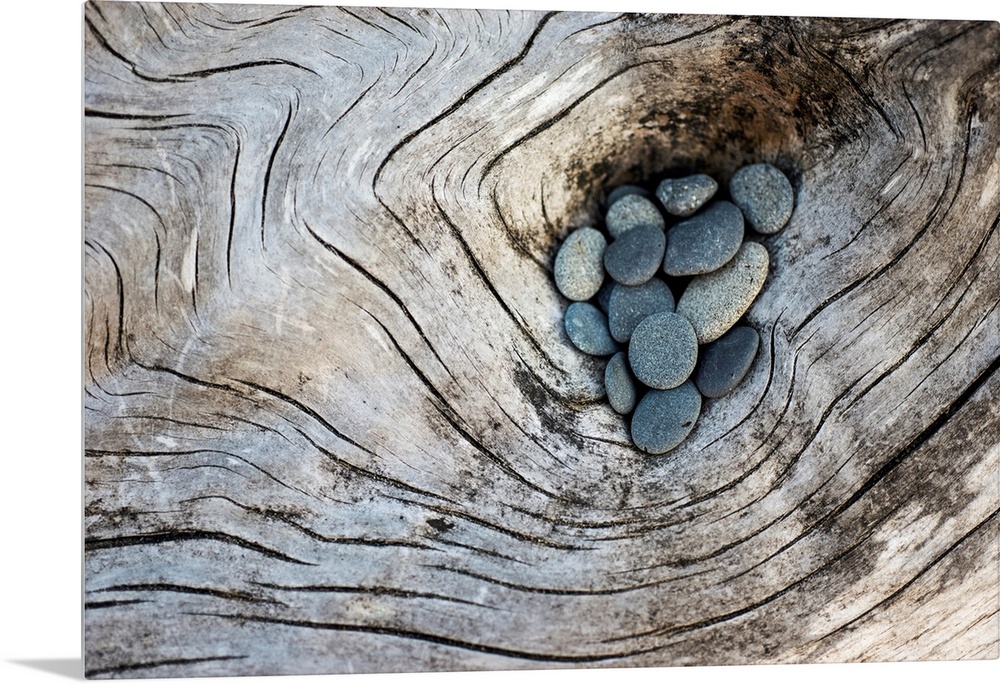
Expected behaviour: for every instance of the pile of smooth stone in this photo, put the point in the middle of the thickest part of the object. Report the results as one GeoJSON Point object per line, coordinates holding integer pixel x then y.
{"type": "Point", "coordinates": [664, 356]}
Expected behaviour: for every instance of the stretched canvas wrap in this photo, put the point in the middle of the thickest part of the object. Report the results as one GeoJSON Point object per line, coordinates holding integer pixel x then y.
{"type": "Point", "coordinates": [335, 420]}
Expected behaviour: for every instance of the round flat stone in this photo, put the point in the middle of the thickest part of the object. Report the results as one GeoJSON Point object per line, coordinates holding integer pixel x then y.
{"type": "Point", "coordinates": [663, 350]}
{"type": "Point", "coordinates": [705, 241]}
{"type": "Point", "coordinates": [632, 211]}
{"type": "Point", "coordinates": [635, 256]}
{"type": "Point", "coordinates": [723, 363]}
{"type": "Point", "coordinates": [764, 195]}
{"type": "Point", "coordinates": [625, 190]}
{"type": "Point", "coordinates": [630, 304]}
{"type": "Point", "coordinates": [713, 302]}
{"type": "Point", "coordinates": [587, 329]}
{"type": "Point", "coordinates": [619, 385]}
{"type": "Point", "coordinates": [684, 196]}
{"type": "Point", "coordinates": [579, 269]}
{"type": "Point", "coordinates": [664, 418]}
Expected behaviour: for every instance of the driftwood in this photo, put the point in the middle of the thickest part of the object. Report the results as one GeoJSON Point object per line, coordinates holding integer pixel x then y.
{"type": "Point", "coordinates": [333, 422]}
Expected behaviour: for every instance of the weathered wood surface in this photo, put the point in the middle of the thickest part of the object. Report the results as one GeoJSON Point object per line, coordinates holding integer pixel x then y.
{"type": "Point", "coordinates": [332, 420]}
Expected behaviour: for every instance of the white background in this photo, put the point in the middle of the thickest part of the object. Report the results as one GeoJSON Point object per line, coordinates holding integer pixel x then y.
{"type": "Point", "coordinates": [40, 486]}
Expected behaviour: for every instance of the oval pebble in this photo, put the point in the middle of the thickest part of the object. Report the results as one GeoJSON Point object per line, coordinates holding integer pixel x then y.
{"type": "Point", "coordinates": [713, 302]}
{"type": "Point", "coordinates": [663, 350]}
{"type": "Point", "coordinates": [624, 191]}
{"type": "Point", "coordinates": [579, 269]}
{"type": "Point", "coordinates": [723, 363]}
{"type": "Point", "coordinates": [705, 241]}
{"type": "Point", "coordinates": [619, 385]}
{"type": "Point", "coordinates": [664, 418]}
{"type": "Point", "coordinates": [632, 211]}
{"type": "Point", "coordinates": [684, 196]}
{"type": "Point", "coordinates": [630, 304]}
{"type": "Point", "coordinates": [587, 329]}
{"type": "Point", "coordinates": [635, 256]}
{"type": "Point", "coordinates": [764, 195]}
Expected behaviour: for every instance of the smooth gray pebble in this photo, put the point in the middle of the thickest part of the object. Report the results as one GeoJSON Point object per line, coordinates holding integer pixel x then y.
{"type": "Point", "coordinates": [579, 269]}
{"type": "Point", "coordinates": [630, 304]}
{"type": "Point", "coordinates": [663, 350]}
{"type": "Point", "coordinates": [765, 196]}
{"type": "Point", "coordinates": [619, 385]}
{"type": "Point", "coordinates": [704, 242]}
{"type": "Point", "coordinates": [664, 418]}
{"type": "Point", "coordinates": [684, 196]}
{"type": "Point", "coordinates": [715, 301]}
{"type": "Point", "coordinates": [635, 256]}
{"type": "Point", "coordinates": [723, 363]}
{"type": "Point", "coordinates": [587, 329]}
{"type": "Point", "coordinates": [632, 211]}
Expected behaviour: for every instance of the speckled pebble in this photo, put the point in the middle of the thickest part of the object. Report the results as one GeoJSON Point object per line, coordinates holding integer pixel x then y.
{"type": "Point", "coordinates": [705, 241]}
{"type": "Point", "coordinates": [625, 190]}
{"type": "Point", "coordinates": [587, 329]}
{"type": "Point", "coordinates": [664, 418]}
{"type": "Point", "coordinates": [663, 350]}
{"type": "Point", "coordinates": [632, 211]}
{"type": "Point", "coordinates": [579, 269]}
{"type": "Point", "coordinates": [619, 385]}
{"type": "Point", "coordinates": [723, 363]}
{"type": "Point", "coordinates": [635, 256]}
{"type": "Point", "coordinates": [764, 195]}
{"type": "Point", "coordinates": [684, 196]}
{"type": "Point", "coordinates": [629, 305]}
{"type": "Point", "coordinates": [713, 302]}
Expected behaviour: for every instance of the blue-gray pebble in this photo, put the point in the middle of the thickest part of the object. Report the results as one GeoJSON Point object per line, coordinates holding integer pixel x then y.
{"type": "Point", "coordinates": [715, 301]}
{"type": "Point", "coordinates": [632, 211]}
{"type": "Point", "coordinates": [764, 195]}
{"type": "Point", "coordinates": [663, 350]}
{"type": "Point", "coordinates": [619, 385]}
{"type": "Point", "coordinates": [725, 362]}
{"type": "Point", "coordinates": [635, 256]}
{"type": "Point", "coordinates": [684, 196]}
{"type": "Point", "coordinates": [704, 242]}
{"type": "Point", "coordinates": [664, 418]}
{"type": "Point", "coordinates": [578, 269]}
{"type": "Point", "coordinates": [630, 304]}
{"type": "Point", "coordinates": [625, 190]}
{"type": "Point", "coordinates": [604, 294]}
{"type": "Point", "coordinates": [587, 329]}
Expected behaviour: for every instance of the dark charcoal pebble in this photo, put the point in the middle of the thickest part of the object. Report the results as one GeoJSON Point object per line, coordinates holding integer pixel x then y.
{"type": "Point", "coordinates": [625, 190]}
{"type": "Point", "coordinates": [723, 363]}
{"type": "Point", "coordinates": [630, 304]}
{"type": "Point", "coordinates": [705, 241]}
{"type": "Point", "coordinates": [604, 294]}
{"type": "Point", "coordinates": [619, 385]}
{"type": "Point", "coordinates": [632, 211]}
{"type": "Point", "coordinates": [578, 270]}
{"type": "Point", "coordinates": [765, 196]}
{"type": "Point", "coordinates": [663, 350]}
{"type": "Point", "coordinates": [587, 328]}
{"type": "Point", "coordinates": [684, 196]}
{"type": "Point", "coordinates": [664, 418]}
{"type": "Point", "coordinates": [635, 256]}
